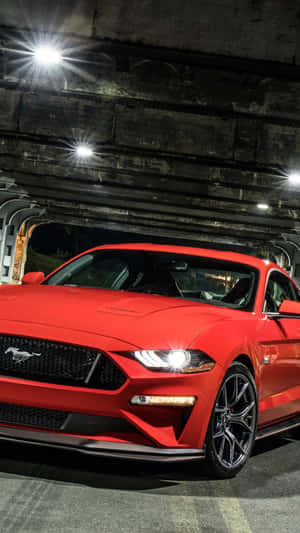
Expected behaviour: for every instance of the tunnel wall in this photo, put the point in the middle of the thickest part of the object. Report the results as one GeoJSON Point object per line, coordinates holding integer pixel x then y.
{"type": "Point", "coordinates": [257, 29]}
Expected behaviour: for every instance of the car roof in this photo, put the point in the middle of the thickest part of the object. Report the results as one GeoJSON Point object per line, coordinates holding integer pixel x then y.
{"type": "Point", "coordinates": [236, 257]}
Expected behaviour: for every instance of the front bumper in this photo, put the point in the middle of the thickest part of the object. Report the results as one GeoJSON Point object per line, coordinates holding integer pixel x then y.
{"type": "Point", "coordinates": [155, 433]}
{"type": "Point", "coordinates": [101, 448]}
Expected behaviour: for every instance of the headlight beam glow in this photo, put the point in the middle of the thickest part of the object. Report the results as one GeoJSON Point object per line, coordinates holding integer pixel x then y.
{"type": "Point", "coordinates": [179, 358]}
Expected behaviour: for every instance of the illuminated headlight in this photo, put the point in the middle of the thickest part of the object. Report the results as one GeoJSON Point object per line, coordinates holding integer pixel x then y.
{"type": "Point", "coordinates": [184, 361]}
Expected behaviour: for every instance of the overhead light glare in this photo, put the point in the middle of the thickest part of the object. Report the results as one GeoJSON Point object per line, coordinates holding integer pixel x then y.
{"type": "Point", "coordinates": [294, 178]}
{"type": "Point", "coordinates": [263, 206]}
{"type": "Point", "coordinates": [47, 55]}
{"type": "Point", "coordinates": [84, 151]}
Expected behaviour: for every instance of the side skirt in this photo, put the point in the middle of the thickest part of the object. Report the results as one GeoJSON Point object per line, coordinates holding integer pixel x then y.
{"type": "Point", "coordinates": [284, 425]}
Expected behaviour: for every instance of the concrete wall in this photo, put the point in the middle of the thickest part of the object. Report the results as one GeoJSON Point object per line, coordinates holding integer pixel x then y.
{"type": "Point", "coordinates": [190, 132]}
{"type": "Point", "coordinates": [260, 29]}
{"type": "Point", "coordinates": [270, 141]}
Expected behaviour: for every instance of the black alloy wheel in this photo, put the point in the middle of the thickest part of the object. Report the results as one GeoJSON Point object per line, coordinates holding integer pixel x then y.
{"type": "Point", "coordinates": [232, 427]}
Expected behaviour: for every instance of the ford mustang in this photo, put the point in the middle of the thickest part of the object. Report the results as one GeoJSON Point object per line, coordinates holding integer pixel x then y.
{"type": "Point", "coordinates": [152, 352]}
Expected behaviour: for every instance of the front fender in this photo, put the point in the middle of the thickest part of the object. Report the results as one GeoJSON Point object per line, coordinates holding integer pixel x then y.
{"type": "Point", "coordinates": [226, 341]}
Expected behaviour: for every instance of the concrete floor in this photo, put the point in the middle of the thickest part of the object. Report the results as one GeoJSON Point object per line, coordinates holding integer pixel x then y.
{"type": "Point", "coordinates": [46, 491]}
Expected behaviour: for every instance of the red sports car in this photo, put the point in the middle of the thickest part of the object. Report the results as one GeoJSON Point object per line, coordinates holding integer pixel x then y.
{"type": "Point", "coordinates": [153, 352]}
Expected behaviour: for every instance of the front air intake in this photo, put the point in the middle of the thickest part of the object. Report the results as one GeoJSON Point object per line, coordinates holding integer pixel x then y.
{"type": "Point", "coordinates": [21, 415]}
{"type": "Point", "coordinates": [58, 363]}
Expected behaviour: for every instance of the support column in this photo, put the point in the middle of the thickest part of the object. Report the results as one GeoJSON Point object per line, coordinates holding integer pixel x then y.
{"type": "Point", "coordinates": [20, 255]}
{"type": "Point", "coordinates": [13, 214]}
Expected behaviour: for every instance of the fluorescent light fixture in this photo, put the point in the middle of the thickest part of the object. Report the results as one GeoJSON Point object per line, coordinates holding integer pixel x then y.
{"type": "Point", "coordinates": [84, 151]}
{"type": "Point", "coordinates": [47, 55]}
{"type": "Point", "coordinates": [294, 178]}
{"type": "Point", "coordinates": [172, 401]}
{"type": "Point", "coordinates": [263, 206]}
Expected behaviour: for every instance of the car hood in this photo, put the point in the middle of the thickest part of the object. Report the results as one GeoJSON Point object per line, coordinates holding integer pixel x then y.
{"type": "Point", "coordinates": [141, 320]}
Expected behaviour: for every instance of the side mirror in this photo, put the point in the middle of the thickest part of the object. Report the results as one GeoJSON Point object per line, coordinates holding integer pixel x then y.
{"type": "Point", "coordinates": [289, 307]}
{"type": "Point", "coordinates": [32, 278]}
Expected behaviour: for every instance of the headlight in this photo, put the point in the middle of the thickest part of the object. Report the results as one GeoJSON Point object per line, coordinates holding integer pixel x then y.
{"type": "Point", "coordinates": [184, 361]}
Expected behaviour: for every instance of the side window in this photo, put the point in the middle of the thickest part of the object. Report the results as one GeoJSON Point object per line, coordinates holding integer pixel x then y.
{"type": "Point", "coordinates": [279, 288]}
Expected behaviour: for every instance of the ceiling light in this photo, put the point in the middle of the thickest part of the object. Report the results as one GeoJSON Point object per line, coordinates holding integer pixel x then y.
{"type": "Point", "coordinates": [82, 150]}
{"type": "Point", "coordinates": [47, 55]}
{"type": "Point", "coordinates": [294, 178]}
{"type": "Point", "coordinates": [262, 206]}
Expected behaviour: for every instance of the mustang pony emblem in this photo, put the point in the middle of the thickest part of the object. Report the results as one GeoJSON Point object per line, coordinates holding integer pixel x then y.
{"type": "Point", "coordinates": [18, 356]}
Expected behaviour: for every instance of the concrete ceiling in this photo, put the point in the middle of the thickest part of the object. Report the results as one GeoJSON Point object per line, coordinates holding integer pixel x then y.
{"type": "Point", "coordinates": [192, 109]}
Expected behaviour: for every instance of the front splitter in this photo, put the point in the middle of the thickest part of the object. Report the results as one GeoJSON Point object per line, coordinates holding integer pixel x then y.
{"type": "Point", "coordinates": [118, 450]}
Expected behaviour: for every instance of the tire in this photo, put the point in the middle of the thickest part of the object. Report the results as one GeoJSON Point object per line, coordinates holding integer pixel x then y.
{"type": "Point", "coordinates": [232, 427]}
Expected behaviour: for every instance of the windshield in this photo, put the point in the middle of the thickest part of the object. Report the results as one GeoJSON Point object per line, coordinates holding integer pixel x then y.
{"type": "Point", "coordinates": [175, 275]}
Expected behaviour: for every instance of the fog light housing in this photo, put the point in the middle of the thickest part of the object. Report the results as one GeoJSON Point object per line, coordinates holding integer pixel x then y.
{"type": "Point", "coordinates": [170, 401]}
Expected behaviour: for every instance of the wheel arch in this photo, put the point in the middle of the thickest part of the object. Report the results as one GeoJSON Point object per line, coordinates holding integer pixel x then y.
{"type": "Point", "coordinates": [245, 359]}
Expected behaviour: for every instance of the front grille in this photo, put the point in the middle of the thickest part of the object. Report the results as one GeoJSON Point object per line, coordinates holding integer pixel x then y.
{"type": "Point", "coordinates": [57, 363]}
{"type": "Point", "coordinates": [20, 415]}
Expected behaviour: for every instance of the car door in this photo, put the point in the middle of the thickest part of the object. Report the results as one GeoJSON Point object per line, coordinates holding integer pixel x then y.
{"type": "Point", "coordinates": [280, 352]}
